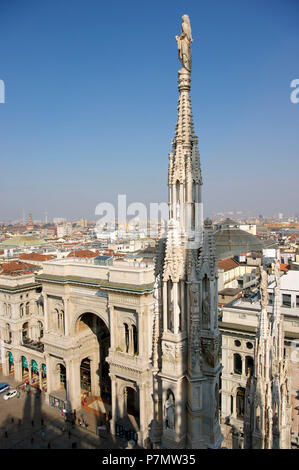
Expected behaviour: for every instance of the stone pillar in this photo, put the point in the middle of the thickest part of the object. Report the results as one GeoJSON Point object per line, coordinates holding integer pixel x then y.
{"type": "Point", "coordinates": [66, 316]}
{"type": "Point", "coordinates": [141, 341]}
{"type": "Point", "coordinates": [18, 369]}
{"type": "Point", "coordinates": [5, 363]}
{"type": "Point", "coordinates": [131, 345]}
{"type": "Point", "coordinates": [50, 377]}
{"type": "Point", "coordinates": [183, 313]}
{"type": "Point", "coordinates": [165, 293]}
{"type": "Point", "coordinates": [142, 414]}
{"type": "Point", "coordinates": [40, 374]}
{"type": "Point", "coordinates": [113, 328]}
{"type": "Point", "coordinates": [114, 404]}
{"type": "Point", "coordinates": [94, 370]}
{"type": "Point", "coordinates": [73, 383]}
{"type": "Point", "coordinates": [46, 313]}
{"type": "Point", "coordinates": [243, 364]}
{"type": "Point", "coordinates": [175, 308]}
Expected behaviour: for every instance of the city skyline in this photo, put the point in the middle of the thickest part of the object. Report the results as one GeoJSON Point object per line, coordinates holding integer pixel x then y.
{"type": "Point", "coordinates": [86, 118]}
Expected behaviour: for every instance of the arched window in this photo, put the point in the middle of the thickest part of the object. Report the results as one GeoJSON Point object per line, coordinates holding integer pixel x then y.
{"type": "Point", "coordinates": [127, 337]}
{"type": "Point", "coordinates": [249, 365]}
{"type": "Point", "coordinates": [27, 308]}
{"type": "Point", "coordinates": [60, 321]}
{"type": "Point", "coordinates": [237, 364]}
{"type": "Point", "coordinates": [8, 333]}
{"type": "Point", "coordinates": [135, 339]}
{"type": "Point", "coordinates": [41, 331]}
{"type": "Point", "coordinates": [25, 329]}
{"type": "Point", "coordinates": [21, 310]}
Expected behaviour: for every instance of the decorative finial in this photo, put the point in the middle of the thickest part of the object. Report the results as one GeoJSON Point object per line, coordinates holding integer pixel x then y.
{"type": "Point", "coordinates": [184, 42]}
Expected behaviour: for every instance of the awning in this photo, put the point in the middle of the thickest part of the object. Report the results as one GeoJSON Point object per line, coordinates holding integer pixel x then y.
{"type": "Point", "coordinates": [34, 365]}
{"type": "Point", "coordinates": [24, 362]}
{"type": "Point", "coordinates": [10, 357]}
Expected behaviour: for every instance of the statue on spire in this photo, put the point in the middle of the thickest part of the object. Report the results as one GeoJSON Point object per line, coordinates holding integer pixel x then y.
{"type": "Point", "coordinates": [184, 42]}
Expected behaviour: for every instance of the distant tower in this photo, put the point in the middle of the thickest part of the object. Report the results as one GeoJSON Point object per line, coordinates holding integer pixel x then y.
{"type": "Point", "coordinates": [46, 217]}
{"type": "Point", "coordinates": [29, 225]}
{"type": "Point", "coordinates": [186, 336]}
{"type": "Point", "coordinates": [267, 421]}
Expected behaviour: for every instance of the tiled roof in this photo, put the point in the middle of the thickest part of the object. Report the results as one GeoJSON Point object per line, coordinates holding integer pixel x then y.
{"type": "Point", "coordinates": [83, 254]}
{"type": "Point", "coordinates": [36, 257]}
{"type": "Point", "coordinates": [16, 268]}
{"type": "Point", "coordinates": [227, 264]}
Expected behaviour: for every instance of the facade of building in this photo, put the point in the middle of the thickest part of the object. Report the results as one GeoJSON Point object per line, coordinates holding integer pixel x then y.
{"type": "Point", "coordinates": [21, 328]}
{"type": "Point", "coordinates": [239, 324]}
{"type": "Point", "coordinates": [267, 413]}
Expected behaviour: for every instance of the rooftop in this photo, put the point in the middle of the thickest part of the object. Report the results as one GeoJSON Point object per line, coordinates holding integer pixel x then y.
{"type": "Point", "coordinates": [288, 281]}
{"type": "Point", "coordinates": [132, 277]}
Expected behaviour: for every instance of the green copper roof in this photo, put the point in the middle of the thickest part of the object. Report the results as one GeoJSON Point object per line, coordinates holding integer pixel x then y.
{"type": "Point", "coordinates": [100, 283]}
{"type": "Point", "coordinates": [22, 240]}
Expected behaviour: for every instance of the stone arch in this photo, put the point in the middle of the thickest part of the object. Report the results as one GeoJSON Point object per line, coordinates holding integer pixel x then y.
{"type": "Point", "coordinates": [123, 385]}
{"type": "Point", "coordinates": [61, 370]}
{"type": "Point", "coordinates": [96, 349]}
{"type": "Point", "coordinates": [125, 398]}
{"type": "Point", "coordinates": [81, 312]}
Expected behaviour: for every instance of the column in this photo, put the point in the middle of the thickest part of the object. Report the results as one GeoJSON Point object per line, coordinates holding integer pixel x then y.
{"type": "Point", "coordinates": [114, 410]}
{"type": "Point", "coordinates": [142, 414]}
{"type": "Point", "coordinates": [66, 316]}
{"type": "Point", "coordinates": [73, 383]}
{"type": "Point", "coordinates": [243, 364]}
{"type": "Point", "coordinates": [113, 329]}
{"type": "Point", "coordinates": [18, 368]}
{"type": "Point", "coordinates": [46, 313]}
{"type": "Point", "coordinates": [131, 346]}
{"type": "Point", "coordinates": [40, 374]}
{"type": "Point", "coordinates": [183, 313]}
{"type": "Point", "coordinates": [94, 366]}
{"type": "Point", "coordinates": [165, 293]}
{"type": "Point", "coordinates": [212, 305]}
{"type": "Point", "coordinates": [50, 377]}
{"type": "Point", "coordinates": [175, 308]}
{"type": "Point", "coordinates": [182, 211]}
{"type": "Point", "coordinates": [140, 332]}
{"type": "Point", "coordinates": [5, 362]}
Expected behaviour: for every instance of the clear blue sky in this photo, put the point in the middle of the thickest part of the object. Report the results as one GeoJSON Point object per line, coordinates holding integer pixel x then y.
{"type": "Point", "coordinates": [91, 96]}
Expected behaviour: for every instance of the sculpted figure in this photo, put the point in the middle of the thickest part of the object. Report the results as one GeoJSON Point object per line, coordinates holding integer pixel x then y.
{"type": "Point", "coordinates": [169, 412]}
{"type": "Point", "coordinates": [184, 42]}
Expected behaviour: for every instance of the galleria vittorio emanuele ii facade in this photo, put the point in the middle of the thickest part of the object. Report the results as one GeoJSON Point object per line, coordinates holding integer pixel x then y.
{"type": "Point", "coordinates": [144, 340]}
